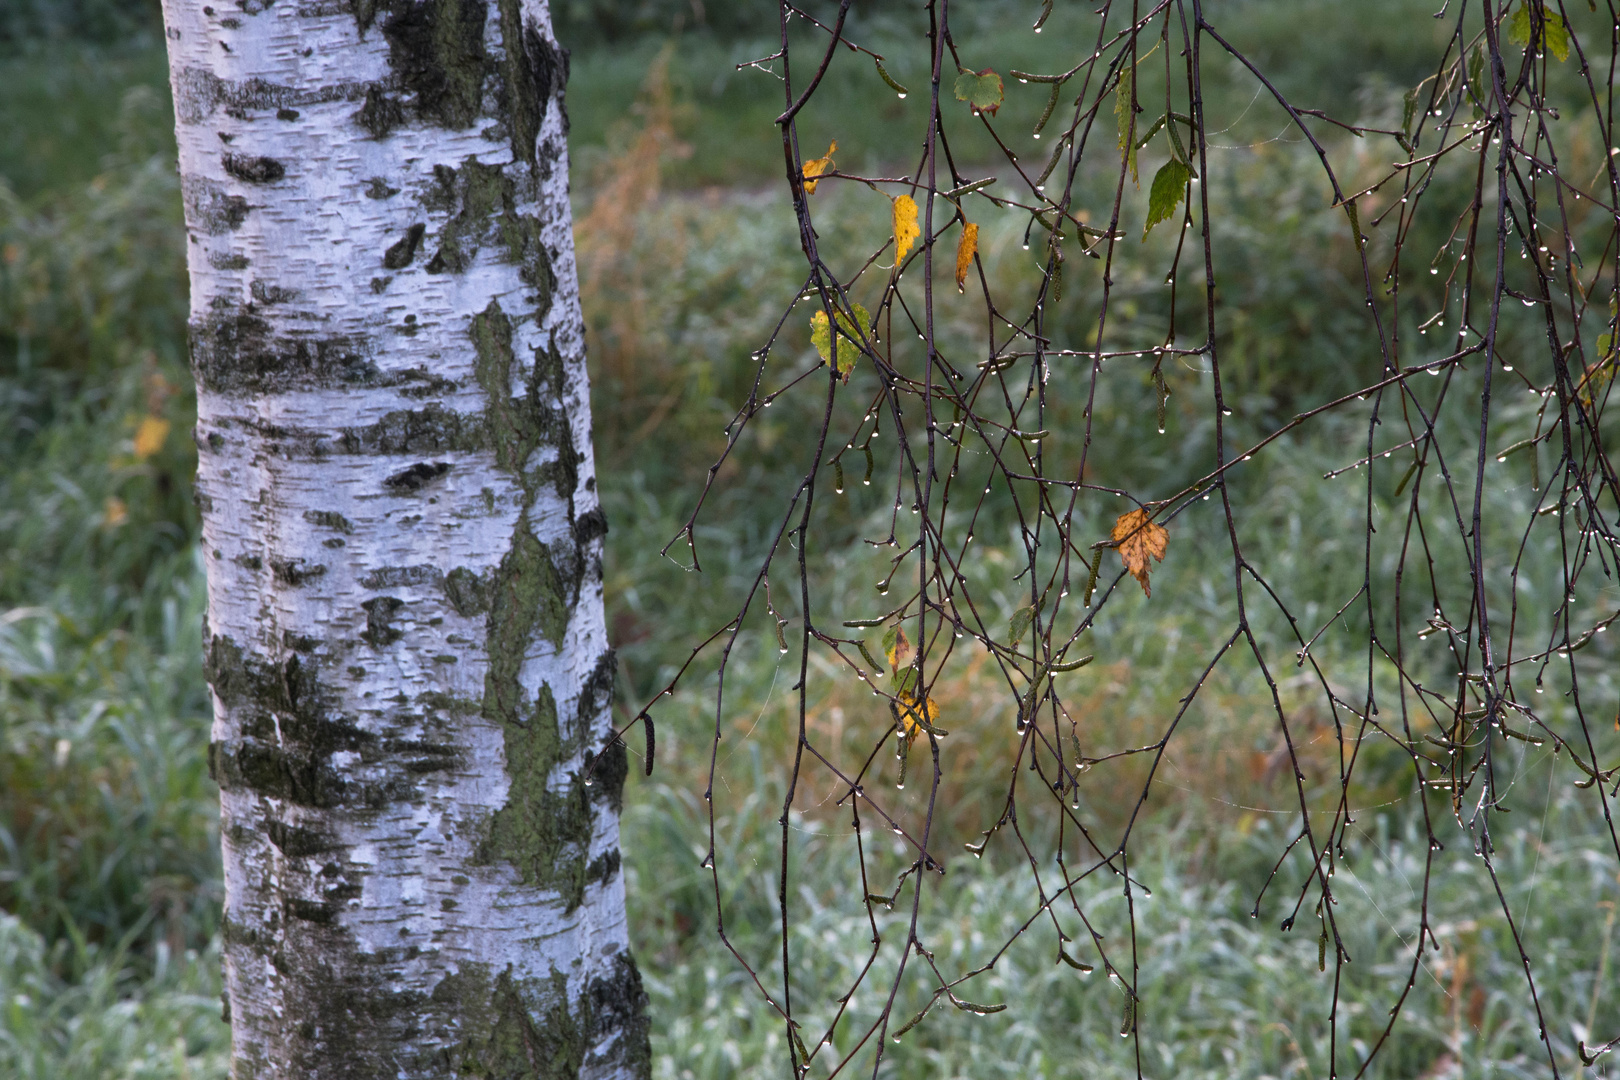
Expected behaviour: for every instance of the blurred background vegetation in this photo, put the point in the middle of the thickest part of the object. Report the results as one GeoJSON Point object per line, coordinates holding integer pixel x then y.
{"type": "Point", "coordinates": [109, 876]}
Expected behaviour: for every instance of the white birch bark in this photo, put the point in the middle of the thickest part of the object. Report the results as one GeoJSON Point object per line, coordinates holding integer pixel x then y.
{"type": "Point", "coordinates": [405, 634]}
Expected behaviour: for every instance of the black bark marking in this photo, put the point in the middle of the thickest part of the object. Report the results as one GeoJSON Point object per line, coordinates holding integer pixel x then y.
{"type": "Point", "coordinates": [619, 1003]}
{"type": "Point", "coordinates": [377, 188]}
{"type": "Point", "coordinates": [400, 254]}
{"type": "Point", "coordinates": [234, 351]}
{"type": "Point", "coordinates": [533, 74]}
{"type": "Point", "coordinates": [484, 201]}
{"type": "Point", "coordinates": [437, 52]}
{"type": "Point", "coordinates": [271, 294]}
{"type": "Point", "coordinates": [297, 842]}
{"type": "Point", "coordinates": [253, 170]}
{"type": "Point", "coordinates": [590, 525]}
{"type": "Point", "coordinates": [394, 577]}
{"type": "Point", "coordinates": [330, 519]}
{"type": "Point", "coordinates": [467, 592]}
{"type": "Point", "coordinates": [603, 867]}
{"type": "Point", "coordinates": [300, 643]}
{"type": "Point", "coordinates": [198, 92]}
{"type": "Point", "coordinates": [612, 766]}
{"type": "Point", "coordinates": [293, 573]}
{"type": "Point", "coordinates": [209, 209]}
{"type": "Point", "coordinates": [381, 114]}
{"type": "Point", "coordinates": [431, 429]}
{"type": "Point", "coordinates": [415, 478]}
{"type": "Point", "coordinates": [380, 630]}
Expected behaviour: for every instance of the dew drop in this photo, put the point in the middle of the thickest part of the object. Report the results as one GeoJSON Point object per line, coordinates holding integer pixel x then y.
{"type": "Point", "coordinates": [708, 861]}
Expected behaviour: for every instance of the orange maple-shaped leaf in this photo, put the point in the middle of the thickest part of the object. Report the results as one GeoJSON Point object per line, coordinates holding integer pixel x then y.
{"type": "Point", "coordinates": [905, 227]}
{"type": "Point", "coordinates": [1138, 538]}
{"type": "Point", "coordinates": [966, 248]}
{"type": "Point", "coordinates": [816, 166]}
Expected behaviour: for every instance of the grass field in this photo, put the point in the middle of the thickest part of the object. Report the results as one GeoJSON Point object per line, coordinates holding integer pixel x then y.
{"type": "Point", "coordinates": [109, 876]}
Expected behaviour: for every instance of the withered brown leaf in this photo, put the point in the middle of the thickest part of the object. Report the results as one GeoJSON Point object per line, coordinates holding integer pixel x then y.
{"type": "Point", "coordinates": [1138, 538]}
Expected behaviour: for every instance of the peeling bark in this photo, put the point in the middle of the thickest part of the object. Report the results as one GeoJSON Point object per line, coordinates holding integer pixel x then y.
{"type": "Point", "coordinates": [405, 636]}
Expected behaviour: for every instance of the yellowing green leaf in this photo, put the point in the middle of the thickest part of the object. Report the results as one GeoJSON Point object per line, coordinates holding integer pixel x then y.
{"type": "Point", "coordinates": [850, 334]}
{"type": "Point", "coordinates": [916, 716]}
{"type": "Point", "coordinates": [1139, 538]}
{"type": "Point", "coordinates": [150, 436]}
{"type": "Point", "coordinates": [896, 649]}
{"type": "Point", "coordinates": [980, 89]}
{"type": "Point", "coordinates": [816, 166]}
{"type": "Point", "coordinates": [966, 248]}
{"type": "Point", "coordinates": [905, 226]}
{"type": "Point", "coordinates": [1169, 184]}
{"type": "Point", "coordinates": [1124, 116]}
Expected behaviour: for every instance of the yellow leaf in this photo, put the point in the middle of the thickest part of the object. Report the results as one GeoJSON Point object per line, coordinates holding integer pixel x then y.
{"type": "Point", "coordinates": [150, 436]}
{"type": "Point", "coordinates": [817, 166]}
{"type": "Point", "coordinates": [910, 711]}
{"type": "Point", "coordinates": [966, 248]}
{"type": "Point", "coordinates": [905, 227]}
{"type": "Point", "coordinates": [1138, 538]}
{"type": "Point", "coordinates": [113, 512]}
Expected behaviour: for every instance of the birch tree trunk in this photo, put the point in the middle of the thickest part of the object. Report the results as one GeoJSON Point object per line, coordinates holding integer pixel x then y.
{"type": "Point", "coordinates": [405, 635]}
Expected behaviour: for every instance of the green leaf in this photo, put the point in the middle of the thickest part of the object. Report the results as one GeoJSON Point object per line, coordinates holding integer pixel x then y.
{"type": "Point", "coordinates": [1554, 34]}
{"type": "Point", "coordinates": [1519, 26]}
{"type": "Point", "coordinates": [1179, 151]}
{"type": "Point", "coordinates": [905, 680]}
{"type": "Point", "coordinates": [981, 89]}
{"type": "Point", "coordinates": [1020, 623]}
{"type": "Point", "coordinates": [1169, 184]}
{"type": "Point", "coordinates": [1125, 116]}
